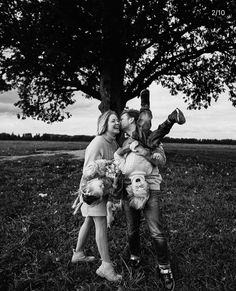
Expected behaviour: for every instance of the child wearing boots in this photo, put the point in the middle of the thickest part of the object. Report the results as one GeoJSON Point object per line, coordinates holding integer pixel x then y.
{"type": "Point", "coordinates": [139, 158]}
{"type": "Point", "coordinates": [136, 166]}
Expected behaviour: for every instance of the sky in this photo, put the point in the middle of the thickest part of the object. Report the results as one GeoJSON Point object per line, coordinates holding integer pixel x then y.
{"type": "Point", "coordinates": [216, 122]}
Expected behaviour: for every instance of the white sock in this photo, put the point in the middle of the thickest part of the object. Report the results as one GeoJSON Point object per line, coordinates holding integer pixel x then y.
{"type": "Point", "coordinates": [106, 264]}
{"type": "Point", "coordinates": [79, 253]}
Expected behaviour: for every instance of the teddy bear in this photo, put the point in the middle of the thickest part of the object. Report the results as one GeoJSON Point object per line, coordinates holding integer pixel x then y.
{"type": "Point", "coordinates": [138, 190]}
{"type": "Point", "coordinates": [135, 167]}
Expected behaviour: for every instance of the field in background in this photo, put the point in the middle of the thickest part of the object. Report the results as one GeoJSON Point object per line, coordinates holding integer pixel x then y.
{"type": "Point", "coordinates": [38, 230]}
{"type": "Point", "coordinates": [19, 147]}
{"type": "Point", "coordinates": [15, 148]}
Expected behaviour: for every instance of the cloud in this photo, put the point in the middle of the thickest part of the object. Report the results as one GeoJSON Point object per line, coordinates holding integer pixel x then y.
{"type": "Point", "coordinates": [7, 101]}
{"type": "Point", "coordinates": [83, 121]}
{"type": "Point", "coordinates": [8, 109]}
{"type": "Point", "coordinates": [8, 97]}
{"type": "Point", "coordinates": [218, 121]}
{"type": "Point", "coordinates": [83, 102]}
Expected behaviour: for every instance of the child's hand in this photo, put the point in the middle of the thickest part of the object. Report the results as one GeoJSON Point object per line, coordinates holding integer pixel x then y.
{"type": "Point", "coordinates": [133, 146]}
{"type": "Point", "coordinates": [140, 150]}
{"type": "Point", "coordinates": [125, 149]}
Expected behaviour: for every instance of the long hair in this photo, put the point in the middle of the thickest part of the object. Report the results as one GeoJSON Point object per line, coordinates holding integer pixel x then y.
{"type": "Point", "coordinates": [103, 121]}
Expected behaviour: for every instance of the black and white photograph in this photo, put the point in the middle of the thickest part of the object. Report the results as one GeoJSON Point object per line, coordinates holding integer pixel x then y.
{"type": "Point", "coordinates": [118, 145]}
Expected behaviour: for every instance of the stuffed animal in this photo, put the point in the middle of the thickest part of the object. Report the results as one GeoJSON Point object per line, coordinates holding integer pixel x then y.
{"type": "Point", "coordinates": [111, 209]}
{"type": "Point", "coordinates": [138, 190]}
{"type": "Point", "coordinates": [135, 167]}
{"type": "Point", "coordinates": [94, 191]}
{"type": "Point", "coordinates": [98, 182]}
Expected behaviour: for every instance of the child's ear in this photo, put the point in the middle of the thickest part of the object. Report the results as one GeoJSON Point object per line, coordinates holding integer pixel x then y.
{"type": "Point", "coordinates": [132, 120]}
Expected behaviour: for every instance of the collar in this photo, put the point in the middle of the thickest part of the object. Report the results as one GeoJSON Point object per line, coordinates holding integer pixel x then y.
{"type": "Point", "coordinates": [127, 135]}
{"type": "Point", "coordinates": [108, 138]}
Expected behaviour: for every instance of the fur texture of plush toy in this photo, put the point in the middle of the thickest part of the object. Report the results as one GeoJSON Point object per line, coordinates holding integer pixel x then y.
{"type": "Point", "coordinates": [111, 209]}
{"type": "Point", "coordinates": [136, 167]}
{"type": "Point", "coordinates": [98, 182]}
{"type": "Point", "coordinates": [94, 191]}
{"type": "Point", "coordinates": [138, 191]}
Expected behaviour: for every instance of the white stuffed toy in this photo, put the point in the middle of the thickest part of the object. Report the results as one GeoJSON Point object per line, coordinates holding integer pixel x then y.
{"type": "Point", "coordinates": [135, 167]}
{"type": "Point", "coordinates": [100, 180]}
{"type": "Point", "coordinates": [138, 191]}
{"type": "Point", "coordinates": [94, 191]}
{"type": "Point", "coordinates": [111, 209]}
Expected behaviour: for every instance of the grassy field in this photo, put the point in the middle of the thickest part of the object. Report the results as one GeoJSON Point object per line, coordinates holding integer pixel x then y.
{"type": "Point", "coordinates": [38, 232]}
{"type": "Point", "coordinates": [19, 147]}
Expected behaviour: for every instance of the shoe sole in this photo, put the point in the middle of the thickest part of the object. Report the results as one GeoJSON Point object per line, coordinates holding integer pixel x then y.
{"type": "Point", "coordinates": [99, 273]}
{"type": "Point", "coordinates": [84, 259]}
{"type": "Point", "coordinates": [180, 117]}
{"type": "Point", "coordinates": [102, 275]}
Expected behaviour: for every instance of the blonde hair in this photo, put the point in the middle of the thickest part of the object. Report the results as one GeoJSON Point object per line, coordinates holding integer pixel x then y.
{"type": "Point", "coordinates": [103, 121]}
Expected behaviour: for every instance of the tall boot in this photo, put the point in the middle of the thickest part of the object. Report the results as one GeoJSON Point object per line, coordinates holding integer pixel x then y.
{"type": "Point", "coordinates": [145, 98]}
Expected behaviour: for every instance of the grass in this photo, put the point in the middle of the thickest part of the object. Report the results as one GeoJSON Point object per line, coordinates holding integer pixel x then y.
{"type": "Point", "coordinates": [20, 148]}
{"type": "Point", "coordinates": [38, 232]}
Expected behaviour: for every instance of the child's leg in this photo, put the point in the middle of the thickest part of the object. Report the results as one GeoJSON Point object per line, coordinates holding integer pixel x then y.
{"type": "Point", "coordinates": [145, 116]}
{"type": "Point", "coordinates": [163, 129]}
{"type": "Point", "coordinates": [145, 98]}
{"type": "Point", "coordinates": [176, 116]}
{"type": "Point", "coordinates": [145, 119]}
{"type": "Point", "coordinates": [157, 135]}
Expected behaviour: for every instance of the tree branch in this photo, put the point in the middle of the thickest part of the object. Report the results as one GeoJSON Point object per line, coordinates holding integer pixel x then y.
{"type": "Point", "coordinates": [85, 89]}
{"type": "Point", "coordinates": [138, 85]}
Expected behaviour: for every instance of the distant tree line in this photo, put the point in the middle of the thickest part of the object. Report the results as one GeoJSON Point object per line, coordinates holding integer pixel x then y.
{"type": "Point", "coordinates": [45, 136]}
{"type": "Point", "coordinates": [62, 137]}
{"type": "Point", "coordinates": [200, 141]}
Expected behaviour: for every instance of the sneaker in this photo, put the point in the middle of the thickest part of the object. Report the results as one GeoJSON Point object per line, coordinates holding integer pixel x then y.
{"type": "Point", "coordinates": [134, 261]}
{"type": "Point", "coordinates": [107, 271]}
{"type": "Point", "coordinates": [167, 279]}
{"type": "Point", "coordinates": [145, 98]}
{"type": "Point", "coordinates": [177, 116]}
{"type": "Point", "coordinates": [81, 257]}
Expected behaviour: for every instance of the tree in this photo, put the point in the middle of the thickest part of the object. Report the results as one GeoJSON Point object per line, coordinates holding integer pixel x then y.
{"type": "Point", "coordinates": [111, 50]}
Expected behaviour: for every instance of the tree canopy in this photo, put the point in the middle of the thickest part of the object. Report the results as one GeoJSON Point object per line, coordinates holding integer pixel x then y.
{"type": "Point", "coordinates": [111, 50]}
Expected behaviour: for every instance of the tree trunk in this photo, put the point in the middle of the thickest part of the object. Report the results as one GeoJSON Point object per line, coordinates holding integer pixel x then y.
{"type": "Point", "coordinates": [113, 60]}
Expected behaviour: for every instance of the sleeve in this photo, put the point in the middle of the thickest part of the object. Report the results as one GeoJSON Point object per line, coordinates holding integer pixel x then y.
{"type": "Point", "coordinates": [158, 156]}
{"type": "Point", "coordinates": [120, 160]}
{"type": "Point", "coordinates": [93, 152]}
